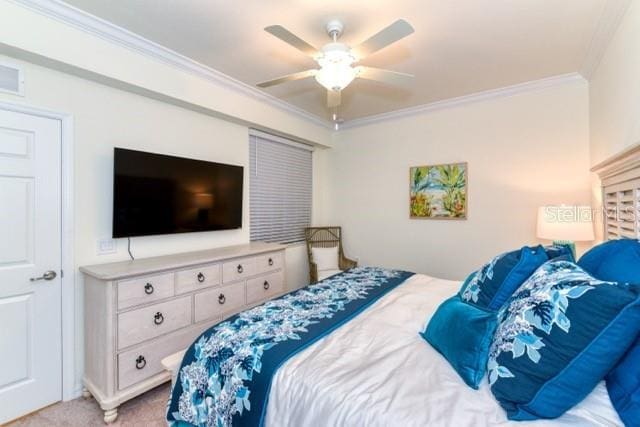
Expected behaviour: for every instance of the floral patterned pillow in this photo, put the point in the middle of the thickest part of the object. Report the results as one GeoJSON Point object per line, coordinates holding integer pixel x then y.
{"type": "Point", "coordinates": [495, 282]}
{"type": "Point", "coordinates": [557, 337]}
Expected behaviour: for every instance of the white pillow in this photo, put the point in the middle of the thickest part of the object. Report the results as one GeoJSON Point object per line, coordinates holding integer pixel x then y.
{"type": "Point", "coordinates": [325, 258]}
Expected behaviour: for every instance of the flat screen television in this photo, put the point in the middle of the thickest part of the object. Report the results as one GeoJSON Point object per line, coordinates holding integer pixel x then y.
{"type": "Point", "coordinates": [158, 194]}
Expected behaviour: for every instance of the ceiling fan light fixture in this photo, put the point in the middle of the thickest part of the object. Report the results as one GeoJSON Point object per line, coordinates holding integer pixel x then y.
{"type": "Point", "coordinates": [336, 59]}
{"type": "Point", "coordinates": [335, 53]}
{"type": "Point", "coordinates": [335, 77]}
{"type": "Point", "coordinates": [335, 66]}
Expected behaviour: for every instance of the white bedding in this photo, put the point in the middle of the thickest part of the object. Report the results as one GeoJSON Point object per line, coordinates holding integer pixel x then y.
{"type": "Point", "coordinates": [377, 371]}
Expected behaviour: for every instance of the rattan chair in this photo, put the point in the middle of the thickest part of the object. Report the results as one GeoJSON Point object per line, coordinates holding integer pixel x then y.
{"type": "Point", "coordinates": [325, 237]}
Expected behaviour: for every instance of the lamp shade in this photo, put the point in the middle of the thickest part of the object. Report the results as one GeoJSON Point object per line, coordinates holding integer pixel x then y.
{"type": "Point", "coordinates": [570, 223]}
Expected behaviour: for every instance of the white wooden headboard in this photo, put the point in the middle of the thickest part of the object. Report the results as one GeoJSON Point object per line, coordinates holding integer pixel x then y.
{"type": "Point", "coordinates": [620, 180]}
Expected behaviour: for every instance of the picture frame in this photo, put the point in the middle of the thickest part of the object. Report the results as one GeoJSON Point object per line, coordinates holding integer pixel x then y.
{"type": "Point", "coordinates": [439, 191]}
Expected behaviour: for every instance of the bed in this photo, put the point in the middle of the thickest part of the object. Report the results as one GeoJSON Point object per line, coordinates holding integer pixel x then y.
{"type": "Point", "coordinates": [375, 370]}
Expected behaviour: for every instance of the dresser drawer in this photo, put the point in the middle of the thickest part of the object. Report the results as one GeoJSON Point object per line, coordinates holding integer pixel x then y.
{"type": "Point", "coordinates": [269, 262]}
{"type": "Point", "coordinates": [197, 278]}
{"type": "Point", "coordinates": [214, 302]}
{"type": "Point", "coordinates": [264, 287]}
{"type": "Point", "coordinates": [144, 362]}
{"type": "Point", "coordinates": [145, 323]}
{"type": "Point", "coordinates": [238, 269]}
{"type": "Point", "coordinates": [144, 289]}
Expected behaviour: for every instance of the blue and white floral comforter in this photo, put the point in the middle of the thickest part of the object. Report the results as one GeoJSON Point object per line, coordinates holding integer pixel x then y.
{"type": "Point", "coordinates": [226, 375]}
{"type": "Point", "coordinates": [376, 371]}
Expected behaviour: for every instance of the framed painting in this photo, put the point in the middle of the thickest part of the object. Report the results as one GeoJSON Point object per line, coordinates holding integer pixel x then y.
{"type": "Point", "coordinates": [438, 191]}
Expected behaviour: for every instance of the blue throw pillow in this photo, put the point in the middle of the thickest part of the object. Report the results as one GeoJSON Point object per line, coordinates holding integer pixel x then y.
{"type": "Point", "coordinates": [615, 260]}
{"type": "Point", "coordinates": [462, 334]}
{"type": "Point", "coordinates": [623, 384]}
{"type": "Point", "coordinates": [496, 281]}
{"type": "Point", "coordinates": [557, 337]}
{"type": "Point", "coordinates": [559, 252]}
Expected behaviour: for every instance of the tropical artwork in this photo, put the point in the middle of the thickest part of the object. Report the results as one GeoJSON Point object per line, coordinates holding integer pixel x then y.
{"type": "Point", "coordinates": [439, 191]}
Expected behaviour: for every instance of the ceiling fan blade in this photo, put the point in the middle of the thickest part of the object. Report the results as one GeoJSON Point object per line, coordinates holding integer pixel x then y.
{"type": "Point", "coordinates": [288, 37]}
{"type": "Point", "coordinates": [391, 34]}
{"type": "Point", "coordinates": [334, 98]}
{"type": "Point", "coordinates": [288, 78]}
{"type": "Point", "coordinates": [386, 76]}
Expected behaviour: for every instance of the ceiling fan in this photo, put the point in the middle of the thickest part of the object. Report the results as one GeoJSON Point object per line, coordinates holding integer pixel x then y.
{"type": "Point", "coordinates": [336, 59]}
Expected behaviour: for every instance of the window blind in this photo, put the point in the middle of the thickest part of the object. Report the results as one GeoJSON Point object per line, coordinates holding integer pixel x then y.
{"type": "Point", "coordinates": [280, 188]}
{"type": "Point", "coordinates": [622, 204]}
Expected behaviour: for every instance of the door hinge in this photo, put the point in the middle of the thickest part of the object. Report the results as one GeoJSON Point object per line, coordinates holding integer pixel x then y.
{"type": "Point", "coordinates": [61, 273]}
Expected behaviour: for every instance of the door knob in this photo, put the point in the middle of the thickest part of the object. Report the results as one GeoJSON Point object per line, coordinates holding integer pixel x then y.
{"type": "Point", "coordinates": [48, 275]}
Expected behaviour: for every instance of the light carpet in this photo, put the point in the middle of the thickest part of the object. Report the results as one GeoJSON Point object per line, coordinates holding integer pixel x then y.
{"type": "Point", "coordinates": [145, 410]}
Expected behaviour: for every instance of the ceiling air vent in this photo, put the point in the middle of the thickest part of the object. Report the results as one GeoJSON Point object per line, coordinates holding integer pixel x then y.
{"type": "Point", "coordinates": [11, 79]}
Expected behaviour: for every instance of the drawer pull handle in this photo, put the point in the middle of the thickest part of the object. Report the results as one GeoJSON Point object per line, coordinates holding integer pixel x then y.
{"type": "Point", "coordinates": [158, 318]}
{"type": "Point", "coordinates": [200, 277]}
{"type": "Point", "coordinates": [240, 269]}
{"type": "Point", "coordinates": [270, 262]}
{"type": "Point", "coordinates": [141, 362]}
{"type": "Point", "coordinates": [221, 299]}
{"type": "Point", "coordinates": [148, 289]}
{"type": "Point", "coordinates": [265, 285]}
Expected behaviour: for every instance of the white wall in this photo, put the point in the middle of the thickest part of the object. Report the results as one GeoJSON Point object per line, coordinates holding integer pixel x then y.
{"type": "Point", "coordinates": [105, 118]}
{"type": "Point", "coordinates": [614, 100]}
{"type": "Point", "coordinates": [615, 91]}
{"type": "Point", "coordinates": [27, 34]}
{"type": "Point", "coordinates": [523, 151]}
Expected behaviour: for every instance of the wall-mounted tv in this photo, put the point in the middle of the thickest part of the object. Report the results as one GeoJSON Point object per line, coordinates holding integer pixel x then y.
{"type": "Point", "coordinates": [158, 194]}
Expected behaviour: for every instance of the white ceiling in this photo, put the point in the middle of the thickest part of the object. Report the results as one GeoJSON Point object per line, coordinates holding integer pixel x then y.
{"type": "Point", "coordinates": [459, 47]}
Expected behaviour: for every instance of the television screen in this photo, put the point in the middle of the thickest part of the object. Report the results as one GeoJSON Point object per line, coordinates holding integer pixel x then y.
{"type": "Point", "coordinates": [158, 194]}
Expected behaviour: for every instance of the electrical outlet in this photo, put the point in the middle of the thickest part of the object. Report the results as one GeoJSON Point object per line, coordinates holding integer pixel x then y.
{"type": "Point", "coordinates": [107, 246]}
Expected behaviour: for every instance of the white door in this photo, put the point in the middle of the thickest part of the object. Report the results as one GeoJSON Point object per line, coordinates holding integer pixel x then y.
{"type": "Point", "coordinates": [30, 262]}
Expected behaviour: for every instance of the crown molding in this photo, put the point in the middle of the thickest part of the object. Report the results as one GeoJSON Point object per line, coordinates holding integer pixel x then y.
{"type": "Point", "coordinates": [610, 19]}
{"type": "Point", "coordinates": [58, 10]}
{"type": "Point", "coordinates": [90, 24]}
{"type": "Point", "coordinates": [466, 99]}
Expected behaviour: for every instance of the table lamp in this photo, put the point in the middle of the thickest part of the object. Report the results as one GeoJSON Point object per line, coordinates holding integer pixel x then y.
{"type": "Point", "coordinates": [565, 225]}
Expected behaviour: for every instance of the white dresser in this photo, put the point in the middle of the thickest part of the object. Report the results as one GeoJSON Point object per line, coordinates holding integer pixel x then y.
{"type": "Point", "coordinates": [138, 312]}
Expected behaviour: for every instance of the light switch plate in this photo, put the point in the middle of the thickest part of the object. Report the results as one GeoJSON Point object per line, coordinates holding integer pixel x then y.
{"type": "Point", "coordinates": [107, 246]}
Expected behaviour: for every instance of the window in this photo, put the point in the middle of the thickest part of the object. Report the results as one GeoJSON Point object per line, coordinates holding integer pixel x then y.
{"type": "Point", "coordinates": [280, 188]}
